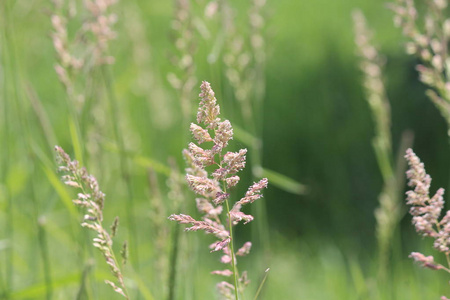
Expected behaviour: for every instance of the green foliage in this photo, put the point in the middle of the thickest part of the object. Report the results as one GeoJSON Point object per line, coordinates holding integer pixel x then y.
{"type": "Point", "coordinates": [312, 139]}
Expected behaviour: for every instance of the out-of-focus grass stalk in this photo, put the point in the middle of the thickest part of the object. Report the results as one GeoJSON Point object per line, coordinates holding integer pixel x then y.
{"type": "Point", "coordinates": [186, 45]}
{"type": "Point", "coordinates": [173, 262]}
{"type": "Point", "coordinates": [8, 92]}
{"type": "Point", "coordinates": [39, 220]}
{"type": "Point", "coordinates": [83, 290]}
{"type": "Point", "coordinates": [183, 80]}
{"type": "Point", "coordinates": [390, 209]}
{"type": "Point", "coordinates": [176, 196]}
{"type": "Point", "coordinates": [20, 111]}
{"type": "Point", "coordinates": [123, 161]}
{"type": "Point", "coordinates": [67, 75]}
{"type": "Point", "coordinates": [15, 109]}
{"type": "Point", "coordinates": [160, 232]}
{"type": "Point", "coordinates": [42, 116]}
{"type": "Point", "coordinates": [50, 137]}
{"type": "Point", "coordinates": [2, 286]}
{"type": "Point", "coordinates": [148, 86]}
{"type": "Point", "coordinates": [67, 69]}
{"type": "Point", "coordinates": [245, 66]}
{"type": "Point", "coordinates": [244, 60]}
{"type": "Point", "coordinates": [42, 236]}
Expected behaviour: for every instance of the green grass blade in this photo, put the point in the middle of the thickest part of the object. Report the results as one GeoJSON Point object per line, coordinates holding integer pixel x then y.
{"type": "Point", "coordinates": [61, 190]}
{"type": "Point", "coordinates": [261, 285]}
{"type": "Point", "coordinates": [285, 183]}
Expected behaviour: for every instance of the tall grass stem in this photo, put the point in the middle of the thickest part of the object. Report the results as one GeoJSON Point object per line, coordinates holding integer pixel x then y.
{"type": "Point", "coordinates": [233, 255]}
{"type": "Point", "coordinates": [125, 173]}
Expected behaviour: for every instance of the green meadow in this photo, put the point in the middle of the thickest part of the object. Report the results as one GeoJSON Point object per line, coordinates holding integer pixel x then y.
{"type": "Point", "coordinates": [118, 89]}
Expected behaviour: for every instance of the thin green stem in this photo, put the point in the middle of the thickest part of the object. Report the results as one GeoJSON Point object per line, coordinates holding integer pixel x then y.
{"type": "Point", "coordinates": [8, 149]}
{"type": "Point", "coordinates": [45, 259]}
{"type": "Point", "coordinates": [134, 257]}
{"type": "Point", "coordinates": [19, 112]}
{"type": "Point", "coordinates": [233, 256]}
{"type": "Point", "coordinates": [261, 284]}
{"type": "Point", "coordinates": [29, 145]}
{"type": "Point", "coordinates": [230, 226]}
{"type": "Point", "coordinates": [173, 262]}
{"type": "Point", "coordinates": [83, 291]}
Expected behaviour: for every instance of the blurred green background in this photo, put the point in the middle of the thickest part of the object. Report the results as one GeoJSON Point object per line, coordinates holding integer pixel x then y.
{"type": "Point", "coordinates": [315, 127]}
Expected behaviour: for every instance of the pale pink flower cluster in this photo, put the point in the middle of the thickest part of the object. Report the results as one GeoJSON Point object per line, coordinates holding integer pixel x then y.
{"type": "Point", "coordinates": [67, 61]}
{"type": "Point", "coordinates": [101, 27]}
{"type": "Point", "coordinates": [425, 261]}
{"type": "Point", "coordinates": [83, 47]}
{"type": "Point", "coordinates": [426, 211]}
{"type": "Point", "coordinates": [430, 43]}
{"type": "Point", "coordinates": [185, 40]}
{"type": "Point", "coordinates": [213, 186]}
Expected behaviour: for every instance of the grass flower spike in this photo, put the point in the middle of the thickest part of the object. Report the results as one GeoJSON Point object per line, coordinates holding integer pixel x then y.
{"type": "Point", "coordinates": [390, 209]}
{"type": "Point", "coordinates": [429, 42]}
{"type": "Point", "coordinates": [213, 187]}
{"type": "Point", "coordinates": [91, 198]}
{"type": "Point", "coordinates": [426, 212]}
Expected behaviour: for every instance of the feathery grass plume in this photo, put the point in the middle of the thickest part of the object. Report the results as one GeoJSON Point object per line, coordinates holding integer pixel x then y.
{"type": "Point", "coordinates": [87, 46]}
{"type": "Point", "coordinates": [81, 41]}
{"type": "Point", "coordinates": [213, 189]}
{"type": "Point", "coordinates": [91, 198]}
{"type": "Point", "coordinates": [390, 211]}
{"type": "Point", "coordinates": [186, 46]}
{"type": "Point", "coordinates": [100, 24]}
{"type": "Point", "coordinates": [426, 213]}
{"type": "Point", "coordinates": [244, 59]}
{"type": "Point", "coordinates": [430, 43]}
{"type": "Point", "coordinates": [69, 63]}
